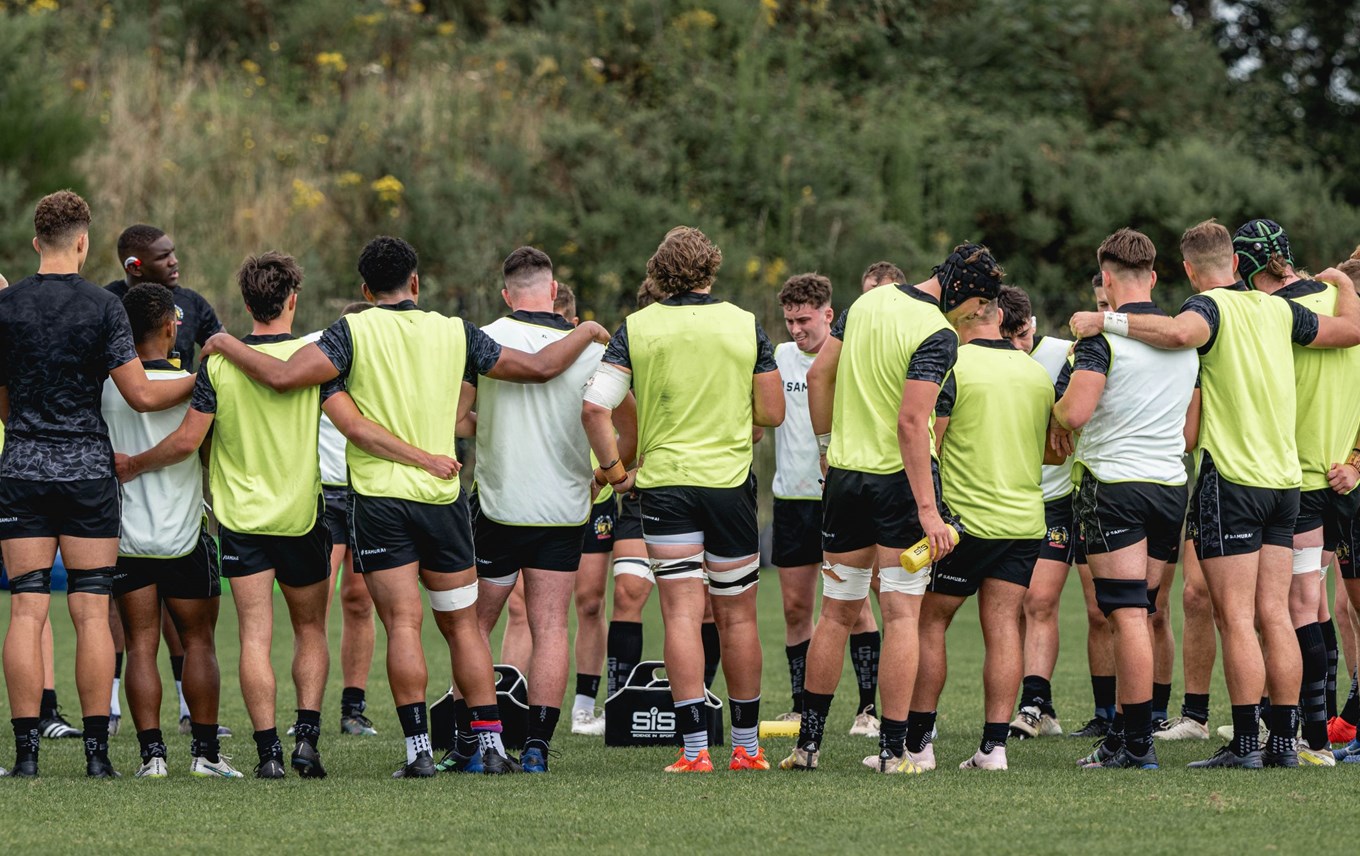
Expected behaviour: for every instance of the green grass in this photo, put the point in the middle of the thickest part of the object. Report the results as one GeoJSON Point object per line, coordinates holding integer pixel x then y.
{"type": "Point", "coordinates": [617, 800]}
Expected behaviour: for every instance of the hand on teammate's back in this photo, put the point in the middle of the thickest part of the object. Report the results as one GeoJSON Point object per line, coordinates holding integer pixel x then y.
{"type": "Point", "coordinates": [1084, 325]}
{"type": "Point", "coordinates": [597, 331]}
{"type": "Point", "coordinates": [211, 345]}
{"type": "Point", "coordinates": [122, 465]}
{"type": "Point", "coordinates": [443, 467]}
{"type": "Point", "coordinates": [1343, 477]}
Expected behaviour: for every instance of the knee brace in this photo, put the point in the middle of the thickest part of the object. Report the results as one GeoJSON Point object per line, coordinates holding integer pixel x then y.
{"type": "Point", "coordinates": [1152, 599]}
{"type": "Point", "coordinates": [1121, 594]}
{"type": "Point", "coordinates": [454, 599]}
{"type": "Point", "coordinates": [33, 582]}
{"type": "Point", "coordinates": [507, 580]}
{"type": "Point", "coordinates": [735, 581]}
{"type": "Point", "coordinates": [688, 568]}
{"type": "Point", "coordinates": [92, 581]}
{"type": "Point", "coordinates": [899, 580]}
{"type": "Point", "coordinates": [1307, 560]}
{"type": "Point", "coordinates": [633, 566]}
{"type": "Point", "coordinates": [842, 582]}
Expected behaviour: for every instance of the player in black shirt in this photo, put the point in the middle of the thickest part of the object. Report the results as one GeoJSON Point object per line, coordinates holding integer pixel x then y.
{"type": "Point", "coordinates": [60, 338]}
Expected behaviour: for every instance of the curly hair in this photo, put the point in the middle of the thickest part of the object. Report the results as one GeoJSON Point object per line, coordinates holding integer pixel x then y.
{"type": "Point", "coordinates": [149, 306]}
{"type": "Point", "coordinates": [882, 273]}
{"type": "Point", "coordinates": [266, 282]}
{"type": "Point", "coordinates": [686, 260]}
{"type": "Point", "coordinates": [806, 289]}
{"type": "Point", "coordinates": [386, 264]}
{"type": "Point", "coordinates": [60, 218]}
{"type": "Point", "coordinates": [646, 294]}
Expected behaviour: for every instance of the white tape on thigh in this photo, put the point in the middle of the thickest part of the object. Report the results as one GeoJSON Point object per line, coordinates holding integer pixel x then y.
{"type": "Point", "coordinates": [853, 583]}
{"type": "Point", "coordinates": [902, 581]}
{"type": "Point", "coordinates": [608, 386]}
{"type": "Point", "coordinates": [634, 566]}
{"type": "Point", "coordinates": [507, 580]}
{"type": "Point", "coordinates": [735, 581]}
{"type": "Point", "coordinates": [688, 568]}
{"type": "Point", "coordinates": [454, 599]}
{"type": "Point", "coordinates": [1307, 560]}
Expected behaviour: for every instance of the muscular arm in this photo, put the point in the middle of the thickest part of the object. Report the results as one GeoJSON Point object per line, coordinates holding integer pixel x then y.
{"type": "Point", "coordinates": [1192, 422]}
{"type": "Point", "coordinates": [598, 421]}
{"type": "Point", "coordinates": [521, 367]}
{"type": "Point", "coordinates": [1079, 402]}
{"type": "Point", "coordinates": [821, 380]}
{"type": "Point", "coordinates": [467, 418]}
{"type": "Point", "coordinates": [379, 442]}
{"type": "Point", "coordinates": [308, 366]}
{"type": "Point", "coordinates": [1343, 330]}
{"type": "Point", "coordinates": [913, 439]}
{"type": "Point", "coordinates": [145, 395]}
{"type": "Point", "coordinates": [1175, 333]}
{"type": "Point", "coordinates": [767, 399]}
{"type": "Point", "coordinates": [626, 428]}
{"type": "Point", "coordinates": [178, 445]}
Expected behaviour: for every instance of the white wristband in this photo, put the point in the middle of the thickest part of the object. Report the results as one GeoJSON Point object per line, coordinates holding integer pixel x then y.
{"type": "Point", "coordinates": [823, 442]}
{"type": "Point", "coordinates": [1117, 323]}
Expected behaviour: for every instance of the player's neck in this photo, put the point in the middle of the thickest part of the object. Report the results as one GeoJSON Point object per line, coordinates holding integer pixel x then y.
{"type": "Point", "coordinates": [535, 303]}
{"type": "Point", "coordinates": [1123, 297]}
{"type": "Point", "coordinates": [279, 326]}
{"type": "Point", "coordinates": [980, 331]}
{"type": "Point", "coordinates": [151, 352]}
{"type": "Point", "coordinates": [54, 264]}
{"type": "Point", "coordinates": [931, 287]}
{"type": "Point", "coordinates": [392, 298]}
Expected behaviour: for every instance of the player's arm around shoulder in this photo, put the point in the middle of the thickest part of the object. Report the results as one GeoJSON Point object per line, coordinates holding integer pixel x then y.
{"type": "Point", "coordinates": [1170, 332]}
{"type": "Point", "coordinates": [307, 366]}
{"type": "Point", "coordinates": [520, 367]}
{"type": "Point", "coordinates": [177, 446]}
{"type": "Point", "coordinates": [1342, 330]}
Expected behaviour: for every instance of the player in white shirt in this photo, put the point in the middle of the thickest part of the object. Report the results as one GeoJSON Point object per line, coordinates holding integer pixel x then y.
{"type": "Point", "coordinates": [164, 553]}
{"type": "Point", "coordinates": [806, 303]}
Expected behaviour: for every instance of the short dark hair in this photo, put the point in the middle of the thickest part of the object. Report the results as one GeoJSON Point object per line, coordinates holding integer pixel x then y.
{"type": "Point", "coordinates": [355, 307]}
{"type": "Point", "coordinates": [523, 263]}
{"type": "Point", "coordinates": [806, 289]}
{"type": "Point", "coordinates": [1128, 250]}
{"type": "Point", "coordinates": [882, 273]}
{"type": "Point", "coordinates": [1208, 243]}
{"type": "Point", "coordinates": [1097, 281]}
{"type": "Point", "coordinates": [136, 239]}
{"type": "Point", "coordinates": [565, 303]}
{"type": "Point", "coordinates": [1016, 310]}
{"type": "Point", "coordinates": [266, 282]}
{"type": "Point", "coordinates": [386, 264]}
{"type": "Point", "coordinates": [60, 218]}
{"type": "Point", "coordinates": [685, 260]}
{"type": "Point", "coordinates": [149, 305]}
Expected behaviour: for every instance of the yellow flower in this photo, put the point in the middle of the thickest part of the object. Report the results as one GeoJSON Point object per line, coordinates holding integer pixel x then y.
{"type": "Point", "coordinates": [305, 196]}
{"type": "Point", "coordinates": [446, 28]}
{"type": "Point", "coordinates": [320, 139]}
{"type": "Point", "coordinates": [775, 272]}
{"type": "Point", "coordinates": [696, 19]}
{"type": "Point", "coordinates": [370, 20]}
{"type": "Point", "coordinates": [416, 7]}
{"type": "Point", "coordinates": [106, 19]}
{"type": "Point", "coordinates": [251, 67]}
{"type": "Point", "coordinates": [78, 85]}
{"type": "Point", "coordinates": [349, 178]}
{"type": "Point", "coordinates": [333, 60]}
{"type": "Point", "coordinates": [769, 7]}
{"type": "Point", "coordinates": [37, 7]}
{"type": "Point", "coordinates": [389, 189]}
{"type": "Point", "coordinates": [752, 267]}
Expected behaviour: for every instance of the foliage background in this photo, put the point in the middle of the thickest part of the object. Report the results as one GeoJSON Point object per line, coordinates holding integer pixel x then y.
{"type": "Point", "coordinates": [801, 134]}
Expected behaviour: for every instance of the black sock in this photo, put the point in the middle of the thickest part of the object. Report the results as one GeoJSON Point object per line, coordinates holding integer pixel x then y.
{"type": "Point", "coordinates": [152, 744]}
{"type": "Point", "coordinates": [414, 719]}
{"type": "Point", "coordinates": [587, 685]}
{"type": "Point", "coordinates": [994, 734]}
{"type": "Point", "coordinates": [1283, 724]}
{"type": "Point", "coordinates": [816, 706]}
{"type": "Point", "coordinates": [352, 701]}
{"type": "Point", "coordinates": [712, 651]}
{"type": "Point", "coordinates": [864, 651]}
{"type": "Point", "coordinates": [308, 726]}
{"type": "Point", "coordinates": [49, 704]}
{"type": "Point", "coordinates": [1138, 727]}
{"type": "Point", "coordinates": [204, 741]}
{"type": "Point", "coordinates": [1161, 700]}
{"type": "Point", "coordinates": [1196, 707]}
{"type": "Point", "coordinates": [1114, 738]}
{"type": "Point", "coordinates": [1245, 725]}
{"type": "Point", "coordinates": [1333, 655]}
{"type": "Point", "coordinates": [1351, 712]}
{"type": "Point", "coordinates": [1102, 689]}
{"type": "Point", "coordinates": [1037, 692]}
{"type": "Point", "coordinates": [26, 737]}
{"type": "Point", "coordinates": [919, 726]}
{"type": "Point", "coordinates": [267, 744]}
{"type": "Point", "coordinates": [624, 651]}
{"type": "Point", "coordinates": [892, 736]}
{"type": "Point", "coordinates": [117, 665]}
{"type": "Point", "coordinates": [797, 656]}
{"type": "Point", "coordinates": [542, 724]}
{"type": "Point", "coordinates": [464, 741]}
{"type": "Point", "coordinates": [1263, 710]}
{"type": "Point", "coordinates": [177, 667]}
{"type": "Point", "coordinates": [96, 735]}
{"type": "Point", "coordinates": [1313, 693]}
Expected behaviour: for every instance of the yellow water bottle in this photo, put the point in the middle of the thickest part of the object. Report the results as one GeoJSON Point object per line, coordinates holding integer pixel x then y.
{"type": "Point", "coordinates": [917, 556]}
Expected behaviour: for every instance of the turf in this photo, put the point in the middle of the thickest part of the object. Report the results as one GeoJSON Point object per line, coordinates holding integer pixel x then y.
{"type": "Point", "coordinates": [617, 800]}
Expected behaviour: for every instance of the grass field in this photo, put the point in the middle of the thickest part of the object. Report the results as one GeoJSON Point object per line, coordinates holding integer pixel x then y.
{"type": "Point", "coordinates": [617, 800]}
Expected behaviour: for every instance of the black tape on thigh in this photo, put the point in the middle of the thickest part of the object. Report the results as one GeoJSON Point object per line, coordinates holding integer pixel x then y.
{"type": "Point", "coordinates": [92, 581]}
{"type": "Point", "coordinates": [33, 582]}
{"type": "Point", "coordinates": [1121, 594]}
{"type": "Point", "coordinates": [1152, 599]}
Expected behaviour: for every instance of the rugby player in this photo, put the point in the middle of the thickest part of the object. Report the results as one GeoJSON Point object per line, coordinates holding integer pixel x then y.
{"type": "Point", "coordinates": [881, 273]}
{"type": "Point", "coordinates": [1199, 647]}
{"type": "Point", "coordinates": [1246, 499]}
{"type": "Point", "coordinates": [806, 303]}
{"type": "Point", "coordinates": [703, 372]}
{"type": "Point", "coordinates": [1131, 403]}
{"type": "Point", "coordinates": [408, 516]}
{"type": "Point", "coordinates": [272, 518]}
{"type": "Point", "coordinates": [165, 554]}
{"type": "Point", "coordinates": [991, 481]}
{"type": "Point", "coordinates": [871, 399]}
{"type": "Point", "coordinates": [60, 338]}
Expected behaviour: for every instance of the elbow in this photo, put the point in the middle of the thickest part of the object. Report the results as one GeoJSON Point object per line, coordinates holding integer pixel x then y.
{"type": "Point", "coordinates": [913, 428]}
{"type": "Point", "coordinates": [769, 418]}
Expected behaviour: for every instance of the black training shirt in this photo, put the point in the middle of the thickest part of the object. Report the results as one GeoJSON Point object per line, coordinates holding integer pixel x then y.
{"type": "Point", "coordinates": [616, 353]}
{"type": "Point", "coordinates": [60, 336]}
{"type": "Point", "coordinates": [194, 315]}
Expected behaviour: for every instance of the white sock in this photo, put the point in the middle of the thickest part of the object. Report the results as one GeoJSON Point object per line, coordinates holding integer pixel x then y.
{"type": "Point", "coordinates": [695, 742]}
{"type": "Point", "coordinates": [183, 705]}
{"type": "Point", "coordinates": [585, 703]}
{"type": "Point", "coordinates": [491, 740]}
{"type": "Point", "coordinates": [115, 709]}
{"type": "Point", "coordinates": [416, 745]}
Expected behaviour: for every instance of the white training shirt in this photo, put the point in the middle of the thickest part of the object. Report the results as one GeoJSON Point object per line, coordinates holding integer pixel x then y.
{"type": "Point", "coordinates": [162, 512]}
{"type": "Point", "coordinates": [797, 467]}
{"type": "Point", "coordinates": [330, 444]}
{"type": "Point", "coordinates": [1052, 355]}
{"type": "Point", "coordinates": [533, 459]}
